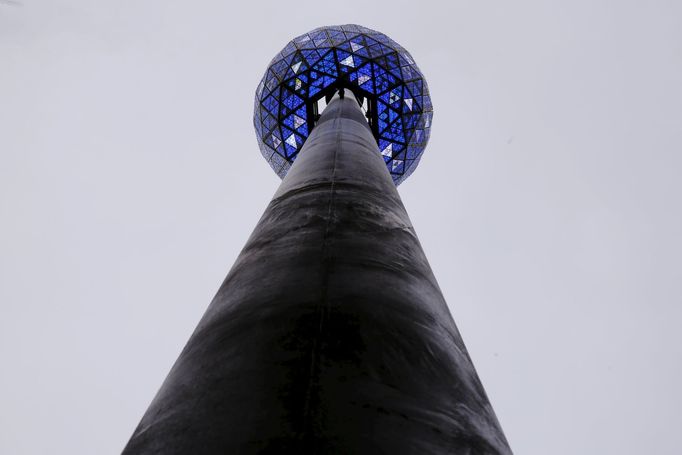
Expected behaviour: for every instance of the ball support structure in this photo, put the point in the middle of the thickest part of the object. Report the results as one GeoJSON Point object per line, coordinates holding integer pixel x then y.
{"type": "Point", "coordinates": [330, 334]}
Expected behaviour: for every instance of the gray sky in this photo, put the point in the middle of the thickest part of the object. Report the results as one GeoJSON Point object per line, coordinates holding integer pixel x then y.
{"type": "Point", "coordinates": [547, 202]}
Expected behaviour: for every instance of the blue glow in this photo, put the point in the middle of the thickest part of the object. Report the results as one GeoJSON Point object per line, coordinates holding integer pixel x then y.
{"type": "Point", "coordinates": [369, 63]}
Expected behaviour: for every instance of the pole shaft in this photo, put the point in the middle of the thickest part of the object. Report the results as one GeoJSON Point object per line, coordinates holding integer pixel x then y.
{"type": "Point", "coordinates": [330, 333]}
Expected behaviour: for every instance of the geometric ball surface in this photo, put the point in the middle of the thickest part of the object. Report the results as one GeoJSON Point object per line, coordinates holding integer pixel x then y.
{"type": "Point", "coordinates": [371, 65]}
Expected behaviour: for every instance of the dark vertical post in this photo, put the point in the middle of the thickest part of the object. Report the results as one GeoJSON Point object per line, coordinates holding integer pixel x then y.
{"type": "Point", "coordinates": [330, 334]}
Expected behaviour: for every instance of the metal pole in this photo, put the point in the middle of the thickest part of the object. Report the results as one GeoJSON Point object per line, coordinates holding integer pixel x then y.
{"type": "Point", "coordinates": [330, 333]}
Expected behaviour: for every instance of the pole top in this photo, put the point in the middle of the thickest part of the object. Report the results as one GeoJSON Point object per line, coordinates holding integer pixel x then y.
{"type": "Point", "coordinates": [378, 71]}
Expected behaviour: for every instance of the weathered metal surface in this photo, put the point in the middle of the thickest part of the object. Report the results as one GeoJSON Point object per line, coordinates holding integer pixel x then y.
{"type": "Point", "coordinates": [330, 334]}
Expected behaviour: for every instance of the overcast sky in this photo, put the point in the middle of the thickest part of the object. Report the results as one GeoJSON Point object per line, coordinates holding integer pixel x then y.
{"type": "Point", "coordinates": [548, 202]}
